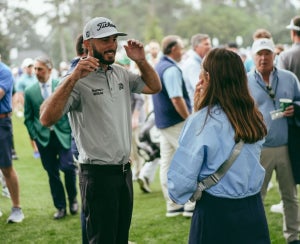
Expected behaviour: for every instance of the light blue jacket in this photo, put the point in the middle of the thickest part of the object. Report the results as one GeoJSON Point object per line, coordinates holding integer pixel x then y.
{"type": "Point", "coordinates": [202, 151]}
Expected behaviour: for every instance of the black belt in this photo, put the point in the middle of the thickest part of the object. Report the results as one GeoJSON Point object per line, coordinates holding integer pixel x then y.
{"type": "Point", "coordinates": [5, 115]}
{"type": "Point", "coordinates": [120, 168]}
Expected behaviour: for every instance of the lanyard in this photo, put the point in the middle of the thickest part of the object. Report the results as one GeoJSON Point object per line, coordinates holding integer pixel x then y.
{"type": "Point", "coordinates": [268, 88]}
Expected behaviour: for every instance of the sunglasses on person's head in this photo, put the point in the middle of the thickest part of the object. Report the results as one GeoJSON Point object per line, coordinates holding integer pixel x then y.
{"type": "Point", "coordinates": [270, 92]}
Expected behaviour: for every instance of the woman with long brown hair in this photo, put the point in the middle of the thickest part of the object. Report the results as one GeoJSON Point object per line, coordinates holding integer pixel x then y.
{"type": "Point", "coordinates": [225, 113]}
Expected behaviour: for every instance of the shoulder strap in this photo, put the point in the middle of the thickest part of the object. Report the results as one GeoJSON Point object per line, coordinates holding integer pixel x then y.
{"type": "Point", "coordinates": [213, 179]}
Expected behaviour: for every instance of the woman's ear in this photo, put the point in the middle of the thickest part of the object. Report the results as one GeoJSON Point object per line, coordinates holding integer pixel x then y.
{"type": "Point", "coordinates": [207, 76]}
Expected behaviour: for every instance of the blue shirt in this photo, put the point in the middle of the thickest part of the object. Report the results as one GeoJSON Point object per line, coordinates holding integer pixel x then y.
{"type": "Point", "coordinates": [202, 150]}
{"type": "Point", "coordinates": [6, 84]}
{"type": "Point", "coordinates": [191, 68]}
{"type": "Point", "coordinates": [285, 85]}
{"type": "Point", "coordinates": [173, 82]}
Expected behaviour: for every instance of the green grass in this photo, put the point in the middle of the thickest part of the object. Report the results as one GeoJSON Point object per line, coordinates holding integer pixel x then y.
{"type": "Point", "coordinates": [149, 224]}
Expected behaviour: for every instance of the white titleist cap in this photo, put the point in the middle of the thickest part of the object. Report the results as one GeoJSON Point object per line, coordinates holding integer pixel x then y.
{"type": "Point", "coordinates": [100, 27]}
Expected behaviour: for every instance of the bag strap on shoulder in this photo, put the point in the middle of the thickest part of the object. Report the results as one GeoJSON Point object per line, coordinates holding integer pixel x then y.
{"type": "Point", "coordinates": [214, 178]}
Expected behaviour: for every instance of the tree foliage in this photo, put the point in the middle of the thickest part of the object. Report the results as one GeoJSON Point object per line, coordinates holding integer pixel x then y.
{"type": "Point", "coordinates": [4, 51]}
{"type": "Point", "coordinates": [143, 20]}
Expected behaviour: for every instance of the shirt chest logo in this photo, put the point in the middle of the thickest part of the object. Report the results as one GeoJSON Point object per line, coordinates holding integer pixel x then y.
{"type": "Point", "coordinates": [99, 91]}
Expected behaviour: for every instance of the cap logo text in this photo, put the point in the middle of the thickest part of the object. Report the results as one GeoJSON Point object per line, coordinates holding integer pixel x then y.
{"type": "Point", "coordinates": [104, 25]}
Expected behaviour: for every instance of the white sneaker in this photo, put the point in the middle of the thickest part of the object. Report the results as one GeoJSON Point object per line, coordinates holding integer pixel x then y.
{"type": "Point", "coordinates": [189, 209]}
{"type": "Point", "coordinates": [144, 184]}
{"type": "Point", "coordinates": [1, 213]}
{"type": "Point", "coordinates": [175, 212]}
{"type": "Point", "coordinates": [277, 208]}
{"type": "Point", "coordinates": [188, 213]}
{"type": "Point", "coordinates": [16, 216]}
{"type": "Point", "coordinates": [5, 192]}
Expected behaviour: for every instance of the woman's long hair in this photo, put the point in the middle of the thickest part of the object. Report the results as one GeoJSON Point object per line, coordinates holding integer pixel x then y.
{"type": "Point", "coordinates": [228, 88]}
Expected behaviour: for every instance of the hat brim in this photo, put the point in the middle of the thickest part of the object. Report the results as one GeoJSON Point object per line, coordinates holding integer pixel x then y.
{"type": "Point", "coordinates": [263, 48]}
{"type": "Point", "coordinates": [109, 34]}
{"type": "Point", "coordinates": [293, 27]}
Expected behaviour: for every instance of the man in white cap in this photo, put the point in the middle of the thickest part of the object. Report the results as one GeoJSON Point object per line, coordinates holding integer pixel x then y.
{"type": "Point", "coordinates": [26, 79]}
{"type": "Point", "coordinates": [267, 85]}
{"type": "Point", "coordinates": [289, 59]}
{"type": "Point", "coordinates": [97, 97]}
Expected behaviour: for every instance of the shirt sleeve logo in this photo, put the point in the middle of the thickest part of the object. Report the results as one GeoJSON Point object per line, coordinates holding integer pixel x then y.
{"type": "Point", "coordinates": [121, 86]}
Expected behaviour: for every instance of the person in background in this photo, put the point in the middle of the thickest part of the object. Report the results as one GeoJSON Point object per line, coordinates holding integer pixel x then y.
{"type": "Point", "coordinates": [267, 85]}
{"type": "Point", "coordinates": [27, 78]}
{"type": "Point", "coordinates": [54, 143]}
{"type": "Point", "coordinates": [138, 117]}
{"type": "Point", "coordinates": [279, 48]}
{"type": "Point", "coordinates": [10, 174]}
{"type": "Point", "coordinates": [201, 44]}
{"type": "Point", "coordinates": [171, 108]}
{"type": "Point", "coordinates": [154, 52]}
{"type": "Point", "coordinates": [80, 52]}
{"type": "Point", "coordinates": [97, 84]}
{"type": "Point", "coordinates": [5, 191]}
{"type": "Point", "coordinates": [232, 46]}
{"type": "Point", "coordinates": [258, 33]}
{"type": "Point", "coordinates": [243, 56]}
{"type": "Point", "coordinates": [15, 73]}
{"type": "Point", "coordinates": [289, 59]}
{"type": "Point", "coordinates": [63, 69]}
{"type": "Point", "coordinates": [149, 168]}
{"type": "Point", "coordinates": [225, 113]}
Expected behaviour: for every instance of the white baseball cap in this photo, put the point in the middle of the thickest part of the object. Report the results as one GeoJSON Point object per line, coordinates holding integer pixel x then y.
{"type": "Point", "coordinates": [100, 27]}
{"type": "Point", "coordinates": [27, 62]}
{"type": "Point", "coordinates": [292, 25]}
{"type": "Point", "coordinates": [263, 44]}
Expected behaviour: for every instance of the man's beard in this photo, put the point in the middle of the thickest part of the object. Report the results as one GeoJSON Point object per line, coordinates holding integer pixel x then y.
{"type": "Point", "coordinates": [100, 57]}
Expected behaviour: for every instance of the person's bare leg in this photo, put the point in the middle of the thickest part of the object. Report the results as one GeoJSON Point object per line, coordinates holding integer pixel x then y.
{"type": "Point", "coordinates": [12, 183]}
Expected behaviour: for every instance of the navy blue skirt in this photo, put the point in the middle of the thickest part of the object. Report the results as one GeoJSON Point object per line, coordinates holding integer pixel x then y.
{"type": "Point", "coordinates": [229, 221]}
